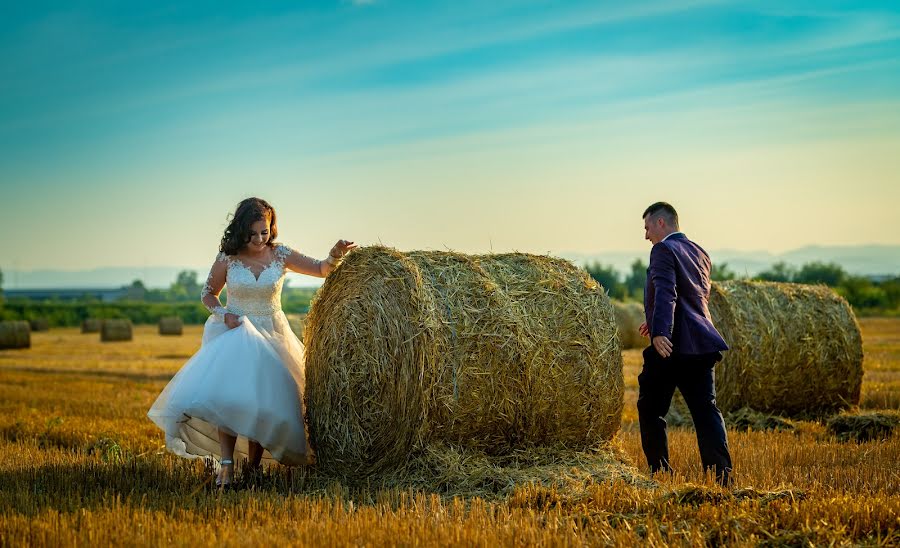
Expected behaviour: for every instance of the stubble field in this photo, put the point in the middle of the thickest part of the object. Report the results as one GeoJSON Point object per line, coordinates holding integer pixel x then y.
{"type": "Point", "coordinates": [81, 464]}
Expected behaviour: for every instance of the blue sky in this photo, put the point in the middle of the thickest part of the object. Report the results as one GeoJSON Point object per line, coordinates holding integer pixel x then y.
{"type": "Point", "coordinates": [128, 131]}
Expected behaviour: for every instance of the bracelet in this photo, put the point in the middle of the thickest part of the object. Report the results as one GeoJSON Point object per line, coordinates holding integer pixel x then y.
{"type": "Point", "coordinates": [220, 310]}
{"type": "Point", "coordinates": [334, 261]}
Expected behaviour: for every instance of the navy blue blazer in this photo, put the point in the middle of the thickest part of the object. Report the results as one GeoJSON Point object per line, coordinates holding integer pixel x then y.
{"type": "Point", "coordinates": [676, 297]}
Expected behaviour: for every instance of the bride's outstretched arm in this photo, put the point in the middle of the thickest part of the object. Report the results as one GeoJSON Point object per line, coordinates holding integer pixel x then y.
{"type": "Point", "coordinates": [304, 264]}
{"type": "Point", "coordinates": [214, 284]}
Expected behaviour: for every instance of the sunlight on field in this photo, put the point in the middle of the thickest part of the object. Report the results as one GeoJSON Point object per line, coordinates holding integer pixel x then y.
{"type": "Point", "coordinates": [82, 464]}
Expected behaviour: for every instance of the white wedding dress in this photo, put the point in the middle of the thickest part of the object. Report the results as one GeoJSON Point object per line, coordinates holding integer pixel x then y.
{"type": "Point", "coordinates": [247, 381]}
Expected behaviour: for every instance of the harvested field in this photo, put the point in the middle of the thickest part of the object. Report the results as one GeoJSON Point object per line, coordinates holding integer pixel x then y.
{"type": "Point", "coordinates": [73, 407]}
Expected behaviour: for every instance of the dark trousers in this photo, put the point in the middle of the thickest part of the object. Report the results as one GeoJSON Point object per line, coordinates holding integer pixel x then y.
{"type": "Point", "coordinates": [693, 376]}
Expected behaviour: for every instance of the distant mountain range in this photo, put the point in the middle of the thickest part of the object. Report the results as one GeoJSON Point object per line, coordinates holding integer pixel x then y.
{"type": "Point", "coordinates": [871, 260]}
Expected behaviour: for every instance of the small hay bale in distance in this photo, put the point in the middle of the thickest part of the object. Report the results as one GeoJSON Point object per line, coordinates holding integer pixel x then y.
{"type": "Point", "coordinates": [15, 334]}
{"type": "Point", "coordinates": [795, 350]}
{"type": "Point", "coordinates": [171, 325]}
{"type": "Point", "coordinates": [115, 330]}
{"type": "Point", "coordinates": [488, 353]}
{"type": "Point", "coordinates": [39, 324]}
{"type": "Point", "coordinates": [91, 325]}
{"type": "Point", "coordinates": [629, 317]}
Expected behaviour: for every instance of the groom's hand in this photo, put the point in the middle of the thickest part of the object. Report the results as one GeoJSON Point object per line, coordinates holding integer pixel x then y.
{"type": "Point", "coordinates": [644, 330]}
{"type": "Point", "coordinates": [662, 345]}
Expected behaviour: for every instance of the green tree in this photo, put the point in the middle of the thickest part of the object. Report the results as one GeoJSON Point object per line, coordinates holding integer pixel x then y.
{"type": "Point", "coordinates": [608, 277]}
{"type": "Point", "coordinates": [830, 274]}
{"type": "Point", "coordinates": [135, 291]}
{"type": "Point", "coordinates": [185, 287]}
{"type": "Point", "coordinates": [891, 289]}
{"type": "Point", "coordinates": [722, 273]}
{"type": "Point", "coordinates": [860, 292]}
{"type": "Point", "coordinates": [636, 280]}
{"type": "Point", "coordinates": [1, 287]}
{"type": "Point", "coordinates": [779, 272]}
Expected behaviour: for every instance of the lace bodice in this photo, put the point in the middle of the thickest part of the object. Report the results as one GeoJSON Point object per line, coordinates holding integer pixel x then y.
{"type": "Point", "coordinates": [249, 295]}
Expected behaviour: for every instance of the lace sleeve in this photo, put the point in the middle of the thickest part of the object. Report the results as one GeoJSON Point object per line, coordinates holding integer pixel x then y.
{"type": "Point", "coordinates": [282, 252]}
{"type": "Point", "coordinates": [298, 262]}
{"type": "Point", "coordinates": [214, 284]}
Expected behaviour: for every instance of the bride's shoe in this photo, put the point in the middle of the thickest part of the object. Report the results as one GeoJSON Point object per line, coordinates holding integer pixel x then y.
{"type": "Point", "coordinates": [224, 480]}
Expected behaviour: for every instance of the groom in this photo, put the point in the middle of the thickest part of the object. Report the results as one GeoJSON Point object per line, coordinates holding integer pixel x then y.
{"type": "Point", "coordinates": [685, 345]}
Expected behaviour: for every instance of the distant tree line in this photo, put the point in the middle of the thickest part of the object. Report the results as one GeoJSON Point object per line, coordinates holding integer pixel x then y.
{"type": "Point", "coordinates": [139, 304]}
{"type": "Point", "coordinates": [865, 295]}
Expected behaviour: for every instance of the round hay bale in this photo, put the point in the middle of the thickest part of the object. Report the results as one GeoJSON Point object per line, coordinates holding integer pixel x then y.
{"type": "Point", "coordinates": [91, 325]}
{"type": "Point", "coordinates": [629, 317]}
{"type": "Point", "coordinates": [115, 330]}
{"type": "Point", "coordinates": [796, 350]}
{"type": "Point", "coordinates": [39, 324]}
{"type": "Point", "coordinates": [488, 353]}
{"type": "Point", "coordinates": [171, 325]}
{"type": "Point", "coordinates": [15, 334]}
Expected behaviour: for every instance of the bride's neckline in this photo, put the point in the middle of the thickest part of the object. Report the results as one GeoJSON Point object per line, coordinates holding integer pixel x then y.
{"type": "Point", "coordinates": [265, 266]}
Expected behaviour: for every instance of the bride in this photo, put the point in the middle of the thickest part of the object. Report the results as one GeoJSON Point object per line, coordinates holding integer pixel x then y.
{"type": "Point", "coordinates": [241, 394]}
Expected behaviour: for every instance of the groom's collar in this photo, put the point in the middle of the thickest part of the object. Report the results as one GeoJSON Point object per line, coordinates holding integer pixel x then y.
{"type": "Point", "coordinates": [673, 235]}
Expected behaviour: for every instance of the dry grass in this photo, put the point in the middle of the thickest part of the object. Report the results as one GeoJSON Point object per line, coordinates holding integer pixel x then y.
{"type": "Point", "coordinates": [82, 465]}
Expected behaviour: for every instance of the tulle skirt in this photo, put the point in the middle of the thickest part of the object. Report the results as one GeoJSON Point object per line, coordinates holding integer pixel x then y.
{"type": "Point", "coordinates": [247, 381]}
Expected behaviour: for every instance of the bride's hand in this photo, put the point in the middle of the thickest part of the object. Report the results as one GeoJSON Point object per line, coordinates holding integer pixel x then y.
{"type": "Point", "coordinates": [341, 248]}
{"type": "Point", "coordinates": [232, 320]}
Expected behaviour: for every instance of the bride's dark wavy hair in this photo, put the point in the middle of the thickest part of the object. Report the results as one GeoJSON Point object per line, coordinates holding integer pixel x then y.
{"type": "Point", "coordinates": [237, 234]}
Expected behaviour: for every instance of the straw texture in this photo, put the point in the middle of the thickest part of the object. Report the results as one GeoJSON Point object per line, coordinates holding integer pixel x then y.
{"type": "Point", "coordinates": [171, 325]}
{"type": "Point", "coordinates": [15, 334]}
{"type": "Point", "coordinates": [495, 353]}
{"type": "Point", "coordinates": [115, 330]}
{"type": "Point", "coordinates": [629, 317]}
{"type": "Point", "coordinates": [796, 350]}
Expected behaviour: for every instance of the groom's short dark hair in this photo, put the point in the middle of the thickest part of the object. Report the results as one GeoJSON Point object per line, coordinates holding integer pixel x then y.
{"type": "Point", "coordinates": [663, 209]}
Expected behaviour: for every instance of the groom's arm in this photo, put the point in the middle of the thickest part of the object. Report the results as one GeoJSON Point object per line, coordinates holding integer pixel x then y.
{"type": "Point", "coordinates": [662, 273]}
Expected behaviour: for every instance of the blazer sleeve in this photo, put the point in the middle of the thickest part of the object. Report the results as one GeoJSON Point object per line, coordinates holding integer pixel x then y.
{"type": "Point", "coordinates": [662, 272]}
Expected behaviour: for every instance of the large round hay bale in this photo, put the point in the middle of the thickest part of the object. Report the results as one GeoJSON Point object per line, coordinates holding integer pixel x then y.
{"type": "Point", "coordinates": [488, 353]}
{"type": "Point", "coordinates": [795, 350]}
{"type": "Point", "coordinates": [39, 324]}
{"type": "Point", "coordinates": [115, 330]}
{"type": "Point", "coordinates": [91, 325]}
{"type": "Point", "coordinates": [171, 325]}
{"type": "Point", "coordinates": [629, 317]}
{"type": "Point", "coordinates": [15, 334]}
